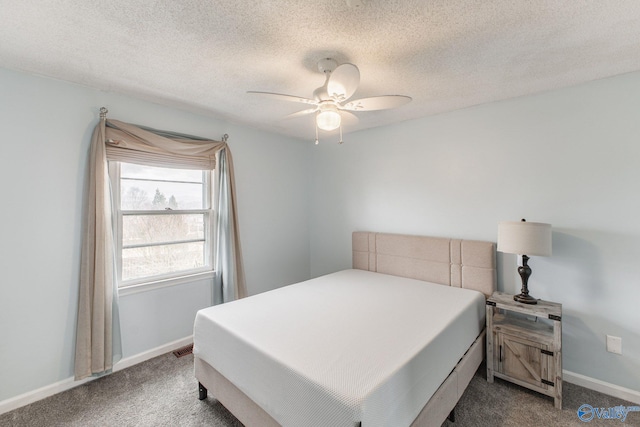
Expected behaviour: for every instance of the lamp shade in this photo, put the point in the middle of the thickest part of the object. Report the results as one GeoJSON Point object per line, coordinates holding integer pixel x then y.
{"type": "Point", "coordinates": [524, 238]}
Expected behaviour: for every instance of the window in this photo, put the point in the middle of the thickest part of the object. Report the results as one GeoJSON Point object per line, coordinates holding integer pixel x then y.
{"type": "Point", "coordinates": [163, 220]}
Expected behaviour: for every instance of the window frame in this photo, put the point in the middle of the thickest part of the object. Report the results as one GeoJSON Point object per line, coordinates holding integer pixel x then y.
{"type": "Point", "coordinates": [165, 279]}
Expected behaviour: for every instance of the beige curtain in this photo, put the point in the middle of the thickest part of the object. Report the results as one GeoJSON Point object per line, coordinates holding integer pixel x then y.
{"type": "Point", "coordinates": [115, 140]}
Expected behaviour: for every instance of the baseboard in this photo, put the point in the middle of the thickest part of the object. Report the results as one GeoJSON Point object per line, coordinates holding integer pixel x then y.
{"type": "Point", "coordinates": [601, 386]}
{"type": "Point", "coordinates": [69, 383]}
{"type": "Point", "coordinates": [150, 354]}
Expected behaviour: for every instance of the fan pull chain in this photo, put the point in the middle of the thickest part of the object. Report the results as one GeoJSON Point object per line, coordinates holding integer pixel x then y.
{"type": "Point", "coordinates": [317, 142]}
{"type": "Point", "coordinates": [340, 142]}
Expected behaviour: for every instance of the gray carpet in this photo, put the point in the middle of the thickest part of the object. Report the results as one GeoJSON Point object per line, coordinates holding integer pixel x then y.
{"type": "Point", "coordinates": [163, 392]}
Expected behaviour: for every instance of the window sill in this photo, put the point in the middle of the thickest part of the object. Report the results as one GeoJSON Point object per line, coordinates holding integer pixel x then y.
{"type": "Point", "coordinates": [163, 283]}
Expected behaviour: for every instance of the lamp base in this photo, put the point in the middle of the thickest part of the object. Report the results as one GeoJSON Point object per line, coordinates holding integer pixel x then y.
{"type": "Point", "coordinates": [525, 299]}
{"type": "Point", "coordinates": [525, 272]}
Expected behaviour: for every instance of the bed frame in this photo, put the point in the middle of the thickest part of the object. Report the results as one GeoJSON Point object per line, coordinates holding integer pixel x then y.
{"type": "Point", "coordinates": [451, 262]}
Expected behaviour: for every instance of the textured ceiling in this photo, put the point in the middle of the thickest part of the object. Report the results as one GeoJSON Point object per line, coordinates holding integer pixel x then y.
{"type": "Point", "coordinates": [203, 55]}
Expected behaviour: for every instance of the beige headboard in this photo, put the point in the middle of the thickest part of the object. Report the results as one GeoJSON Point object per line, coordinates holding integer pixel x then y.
{"type": "Point", "coordinates": [463, 263]}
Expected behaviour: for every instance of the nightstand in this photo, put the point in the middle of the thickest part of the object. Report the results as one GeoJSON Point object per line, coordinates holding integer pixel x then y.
{"type": "Point", "coordinates": [524, 351]}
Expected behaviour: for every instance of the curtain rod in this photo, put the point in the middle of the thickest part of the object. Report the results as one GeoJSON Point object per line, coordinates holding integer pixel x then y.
{"type": "Point", "coordinates": [103, 116]}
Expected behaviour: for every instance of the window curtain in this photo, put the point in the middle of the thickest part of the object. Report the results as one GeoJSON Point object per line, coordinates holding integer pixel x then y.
{"type": "Point", "coordinates": [228, 253]}
{"type": "Point", "coordinates": [97, 334]}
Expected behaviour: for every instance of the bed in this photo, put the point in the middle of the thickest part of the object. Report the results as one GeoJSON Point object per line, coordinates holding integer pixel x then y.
{"type": "Point", "coordinates": [382, 344]}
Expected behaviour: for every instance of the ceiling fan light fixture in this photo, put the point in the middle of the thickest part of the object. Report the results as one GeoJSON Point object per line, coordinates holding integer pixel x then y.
{"type": "Point", "coordinates": [332, 101]}
{"type": "Point", "coordinates": [328, 118]}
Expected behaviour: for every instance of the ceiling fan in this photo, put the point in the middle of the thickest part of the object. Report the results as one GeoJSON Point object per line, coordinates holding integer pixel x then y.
{"type": "Point", "coordinates": [331, 103]}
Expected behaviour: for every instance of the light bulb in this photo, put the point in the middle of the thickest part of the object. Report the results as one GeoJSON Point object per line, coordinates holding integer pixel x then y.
{"type": "Point", "coordinates": [328, 120]}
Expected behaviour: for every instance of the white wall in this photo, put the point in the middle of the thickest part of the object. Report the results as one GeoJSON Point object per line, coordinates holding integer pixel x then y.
{"type": "Point", "coordinates": [570, 157]}
{"type": "Point", "coordinates": [46, 126]}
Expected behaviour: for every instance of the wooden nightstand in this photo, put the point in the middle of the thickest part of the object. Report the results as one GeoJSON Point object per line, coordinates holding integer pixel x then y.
{"type": "Point", "coordinates": [523, 351]}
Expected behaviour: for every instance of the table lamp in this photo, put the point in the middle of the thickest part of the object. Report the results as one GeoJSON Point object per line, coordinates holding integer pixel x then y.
{"type": "Point", "coordinates": [524, 238]}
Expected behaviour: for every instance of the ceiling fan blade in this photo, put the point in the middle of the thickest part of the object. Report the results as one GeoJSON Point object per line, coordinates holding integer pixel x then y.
{"type": "Point", "coordinates": [348, 118]}
{"type": "Point", "coordinates": [282, 97]}
{"type": "Point", "coordinates": [376, 103]}
{"type": "Point", "coordinates": [301, 113]}
{"type": "Point", "coordinates": [343, 82]}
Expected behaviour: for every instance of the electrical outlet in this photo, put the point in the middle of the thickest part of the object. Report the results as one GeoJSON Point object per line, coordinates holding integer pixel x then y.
{"type": "Point", "coordinates": [614, 344]}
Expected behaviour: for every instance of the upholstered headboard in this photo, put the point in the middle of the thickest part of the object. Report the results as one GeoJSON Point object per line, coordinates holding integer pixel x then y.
{"type": "Point", "coordinates": [453, 262]}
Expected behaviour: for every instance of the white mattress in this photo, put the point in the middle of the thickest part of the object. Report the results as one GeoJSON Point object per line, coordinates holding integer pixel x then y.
{"type": "Point", "coordinates": [352, 346]}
